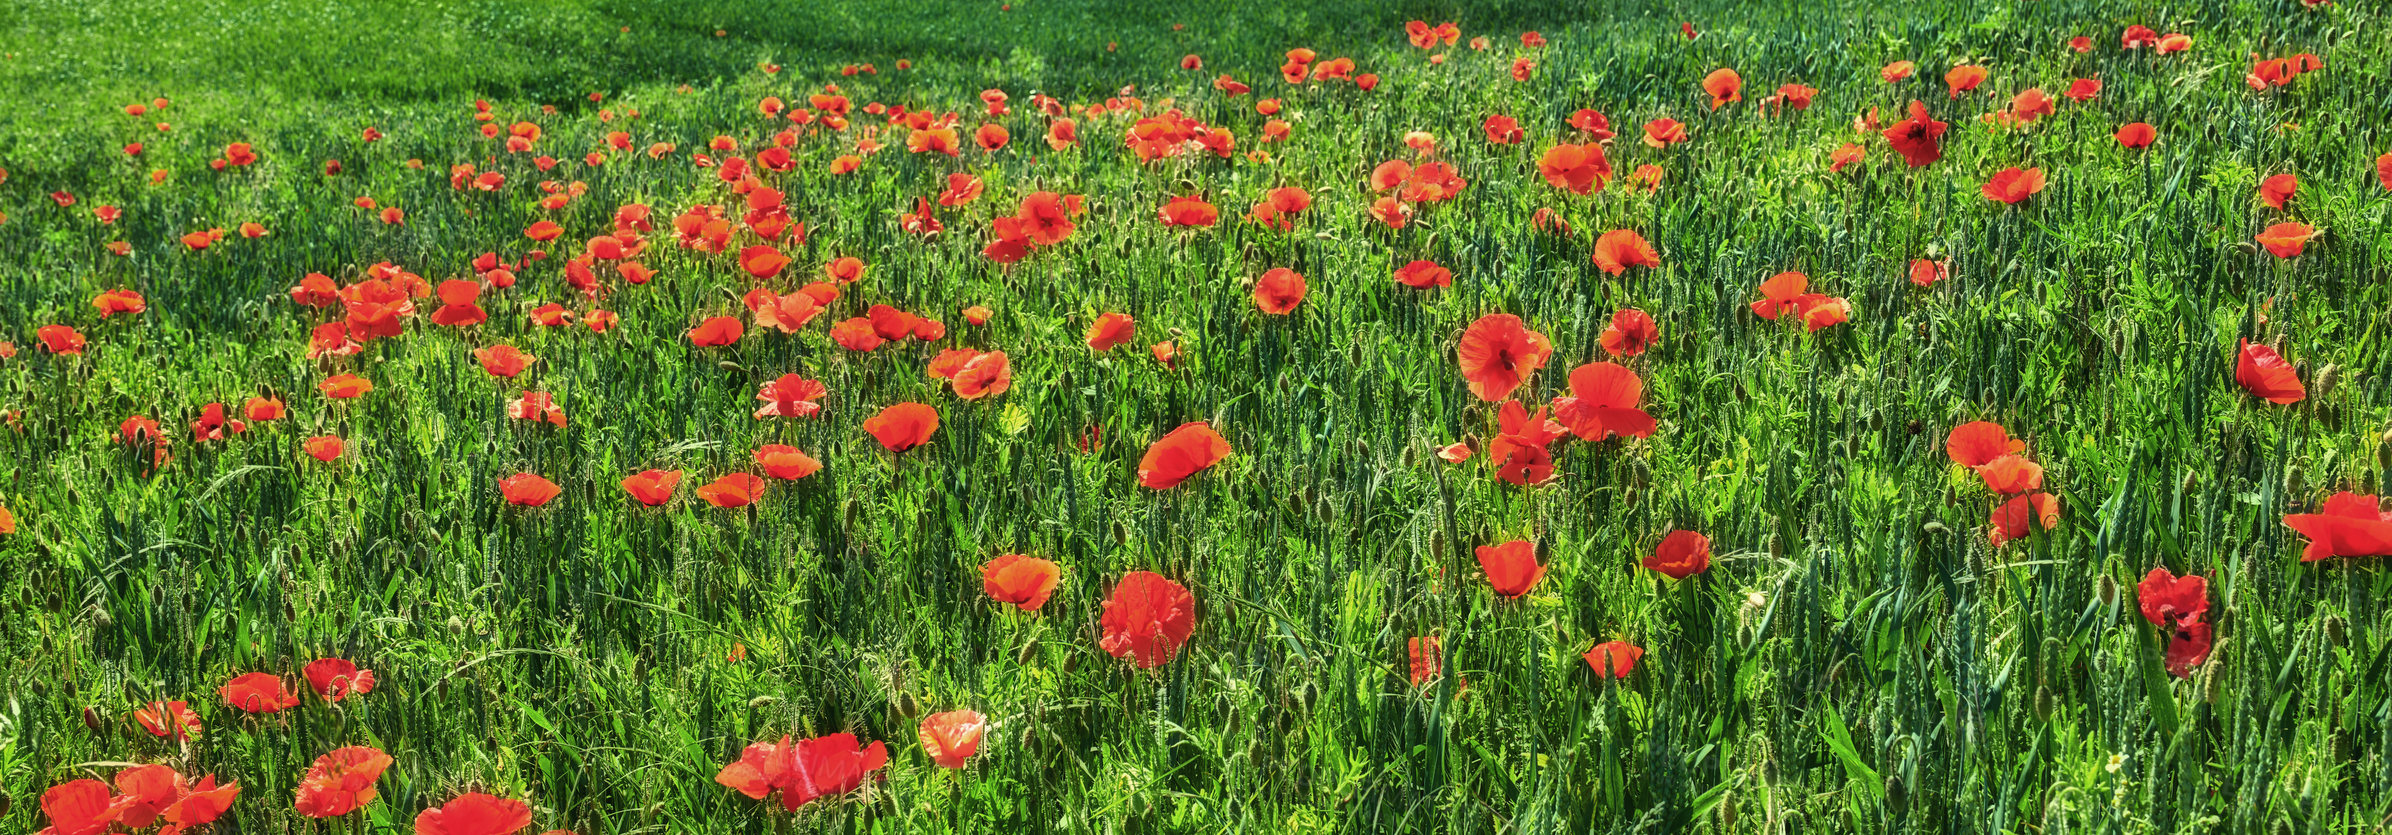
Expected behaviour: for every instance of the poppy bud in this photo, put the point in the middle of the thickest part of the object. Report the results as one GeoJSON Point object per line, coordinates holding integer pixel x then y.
{"type": "Point", "coordinates": [1121, 535]}
{"type": "Point", "coordinates": [92, 720]}
{"type": "Point", "coordinates": [1029, 651]}
{"type": "Point", "coordinates": [102, 619]}
{"type": "Point", "coordinates": [2336, 630]}
{"type": "Point", "coordinates": [1436, 550]}
{"type": "Point", "coordinates": [2209, 683]}
{"type": "Point", "coordinates": [1071, 662]}
{"type": "Point", "coordinates": [907, 707]}
{"type": "Point", "coordinates": [1727, 815]}
{"type": "Point", "coordinates": [728, 365]}
{"type": "Point", "coordinates": [2383, 453]}
{"type": "Point", "coordinates": [2043, 702]}
{"type": "Point", "coordinates": [4, 804]}
{"type": "Point", "coordinates": [2108, 588]}
{"type": "Point", "coordinates": [2326, 378]}
{"type": "Point", "coordinates": [1175, 333]}
{"type": "Point", "coordinates": [456, 624]}
{"type": "Point", "coordinates": [1934, 527]}
{"type": "Point", "coordinates": [759, 702]}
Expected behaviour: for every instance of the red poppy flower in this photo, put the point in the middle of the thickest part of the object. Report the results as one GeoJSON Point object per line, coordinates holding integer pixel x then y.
{"type": "Point", "coordinates": [2083, 89]}
{"type": "Point", "coordinates": [345, 386]}
{"type": "Point", "coordinates": [112, 302]}
{"type": "Point", "coordinates": [2285, 240]}
{"type": "Point", "coordinates": [536, 406]}
{"type": "Point", "coordinates": [2013, 185]}
{"type": "Point", "coordinates": [2350, 525]}
{"type": "Point", "coordinates": [1592, 122]}
{"type": "Point", "coordinates": [2273, 191]}
{"type": "Point", "coordinates": [1147, 619]}
{"type": "Point", "coordinates": [981, 375]}
{"type": "Point", "coordinates": [212, 424]}
{"type": "Point", "coordinates": [1619, 249]}
{"type": "Point", "coordinates": [340, 782]}
{"type": "Point", "coordinates": [1613, 659]}
{"type": "Point", "coordinates": [1498, 353]}
{"type": "Point", "coordinates": [1511, 567]}
{"type": "Point", "coordinates": [790, 396]}
{"type": "Point", "coordinates": [1190, 449]}
{"type": "Point", "coordinates": [1785, 293]}
{"type": "Point", "coordinates": [169, 720]}
{"type": "Point", "coordinates": [1426, 657]}
{"type": "Point", "coordinates": [1978, 443]}
{"type": "Point", "coordinates": [1424, 275]}
{"type": "Point", "coordinates": [1630, 333]}
{"type": "Point", "coordinates": [527, 489]}
{"type": "Point", "coordinates": [1603, 401]}
{"type": "Point", "coordinates": [1682, 554]}
{"type": "Point", "coordinates": [474, 813]}
{"type": "Point", "coordinates": [1522, 68]}
{"type": "Point", "coordinates": [1844, 156]}
{"type": "Point", "coordinates": [2383, 170]}
{"type": "Point", "coordinates": [2011, 520]}
{"type": "Point", "coordinates": [845, 269]}
{"type": "Point", "coordinates": [2136, 135]}
{"type": "Point", "coordinates": [2011, 474]}
{"type": "Point", "coordinates": [903, 426]}
{"type": "Point", "coordinates": [733, 490]}
{"type": "Point", "coordinates": [543, 231]}
{"type": "Point", "coordinates": [1390, 211]}
{"type": "Point", "coordinates": [80, 807]}
{"type": "Point", "coordinates": [762, 261]}
{"type": "Point", "coordinates": [785, 462]}
{"type": "Point", "coordinates": [258, 693]}
{"type": "Point", "coordinates": [60, 339]}
{"type": "Point", "coordinates": [952, 737]}
{"type": "Point", "coordinates": [1925, 272]}
{"type": "Point", "coordinates": [1724, 86]}
{"type": "Point", "coordinates": [1582, 169]}
{"type": "Point", "coordinates": [804, 771]}
{"type": "Point", "coordinates": [503, 360]}
{"type": "Point", "coordinates": [933, 140]}
{"type": "Point", "coordinates": [1278, 291]}
{"type": "Point", "coordinates": [652, 487]}
{"type": "Point", "coordinates": [336, 678]}
{"type": "Point", "coordinates": [1964, 78]}
{"type": "Point", "coordinates": [1188, 211]}
{"type": "Point", "coordinates": [1897, 71]}
{"type": "Point", "coordinates": [1023, 581]}
{"type": "Point", "coordinates": [2188, 647]}
{"type": "Point", "coordinates": [2173, 42]}
{"type": "Point", "coordinates": [1918, 138]}
{"type": "Point", "coordinates": [2169, 601]}
{"type": "Point", "coordinates": [1503, 130]}
{"type": "Point", "coordinates": [2265, 374]}
{"type": "Point", "coordinates": [717, 330]}
{"type": "Point", "coordinates": [1664, 132]}
{"type": "Point", "coordinates": [1519, 452]}
{"type": "Point", "coordinates": [1797, 95]}
{"type": "Point", "coordinates": [1110, 330]}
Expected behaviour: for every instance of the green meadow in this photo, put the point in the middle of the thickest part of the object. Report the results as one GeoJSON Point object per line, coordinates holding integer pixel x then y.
{"type": "Point", "coordinates": [1860, 655]}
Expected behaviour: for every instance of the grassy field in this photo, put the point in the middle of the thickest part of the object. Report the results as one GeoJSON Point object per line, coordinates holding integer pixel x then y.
{"type": "Point", "coordinates": [1859, 656]}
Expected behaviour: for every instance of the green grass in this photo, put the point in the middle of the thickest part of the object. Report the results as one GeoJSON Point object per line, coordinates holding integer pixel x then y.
{"type": "Point", "coordinates": [1857, 658]}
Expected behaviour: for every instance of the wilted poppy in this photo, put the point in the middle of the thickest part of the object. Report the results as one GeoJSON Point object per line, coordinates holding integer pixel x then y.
{"type": "Point", "coordinates": [1110, 330]}
{"type": "Point", "coordinates": [1630, 333]}
{"type": "Point", "coordinates": [790, 396]}
{"type": "Point", "coordinates": [2265, 374]}
{"type": "Point", "coordinates": [733, 490]}
{"type": "Point", "coordinates": [258, 693]}
{"type": "Point", "coordinates": [474, 813]}
{"type": "Point", "coordinates": [952, 737]}
{"type": "Point", "coordinates": [903, 426]}
{"type": "Point", "coordinates": [1613, 659]}
{"type": "Point", "coordinates": [1498, 352]}
{"type": "Point", "coordinates": [1682, 554]}
{"type": "Point", "coordinates": [652, 487]}
{"type": "Point", "coordinates": [804, 771]}
{"type": "Point", "coordinates": [1023, 581]}
{"type": "Point", "coordinates": [1511, 567]}
{"type": "Point", "coordinates": [340, 782]}
{"type": "Point", "coordinates": [1147, 619]}
{"type": "Point", "coordinates": [527, 489]}
{"type": "Point", "coordinates": [1619, 249]}
{"type": "Point", "coordinates": [2350, 525]}
{"type": "Point", "coordinates": [1278, 291]}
